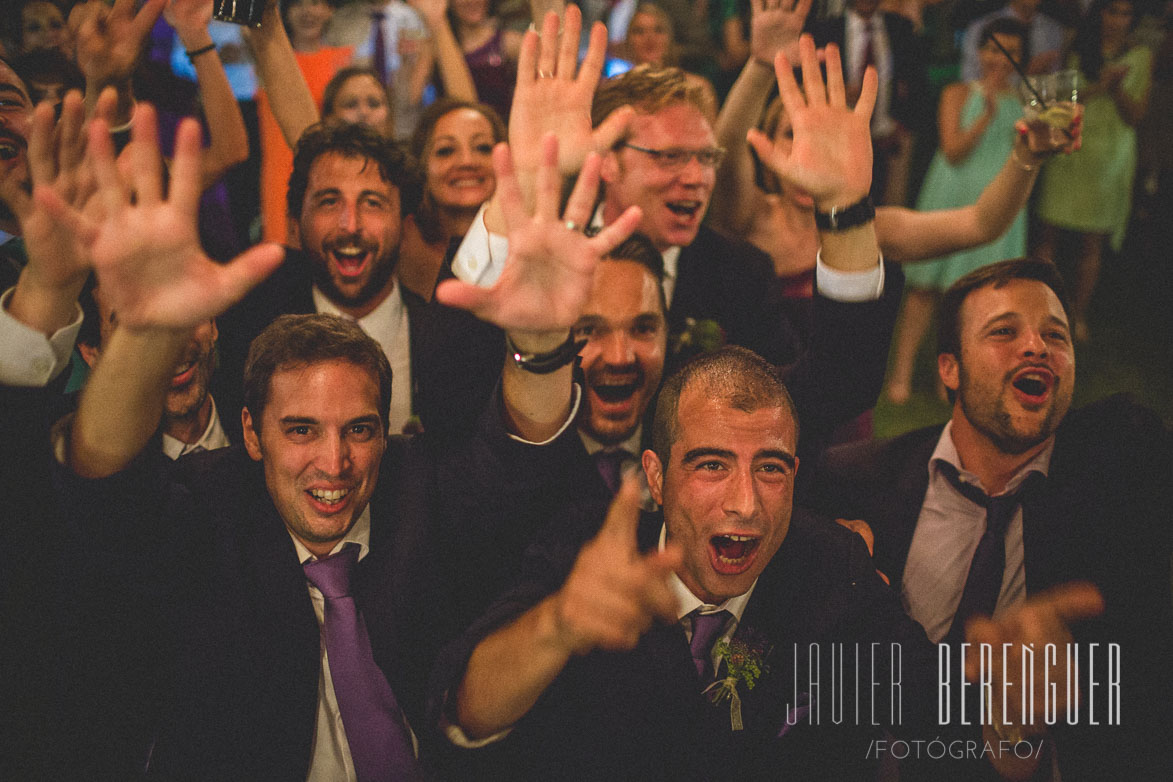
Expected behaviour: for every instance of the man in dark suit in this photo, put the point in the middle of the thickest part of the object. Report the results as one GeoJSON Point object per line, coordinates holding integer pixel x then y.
{"type": "Point", "coordinates": [867, 36]}
{"type": "Point", "coordinates": [227, 563]}
{"type": "Point", "coordinates": [1093, 510]}
{"type": "Point", "coordinates": [569, 672]}
{"type": "Point", "coordinates": [348, 192]}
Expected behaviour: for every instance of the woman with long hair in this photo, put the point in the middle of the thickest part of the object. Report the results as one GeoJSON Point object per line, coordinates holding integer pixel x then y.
{"type": "Point", "coordinates": [454, 144]}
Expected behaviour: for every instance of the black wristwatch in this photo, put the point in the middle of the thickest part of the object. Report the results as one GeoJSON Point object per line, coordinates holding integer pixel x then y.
{"type": "Point", "coordinates": [842, 218]}
{"type": "Point", "coordinates": [545, 363]}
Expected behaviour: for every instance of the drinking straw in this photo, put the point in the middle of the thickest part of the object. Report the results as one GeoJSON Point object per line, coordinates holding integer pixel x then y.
{"type": "Point", "coordinates": [1025, 78]}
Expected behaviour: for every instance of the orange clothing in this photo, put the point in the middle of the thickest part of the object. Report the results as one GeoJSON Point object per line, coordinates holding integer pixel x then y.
{"type": "Point", "coordinates": [276, 156]}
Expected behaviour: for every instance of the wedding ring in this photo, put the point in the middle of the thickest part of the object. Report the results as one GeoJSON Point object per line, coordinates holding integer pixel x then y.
{"type": "Point", "coordinates": [572, 226]}
{"type": "Point", "coordinates": [545, 74]}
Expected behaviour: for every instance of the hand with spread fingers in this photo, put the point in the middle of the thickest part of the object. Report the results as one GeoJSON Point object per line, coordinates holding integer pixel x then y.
{"type": "Point", "coordinates": [110, 38]}
{"type": "Point", "coordinates": [146, 251]}
{"type": "Point", "coordinates": [550, 267]}
{"type": "Point", "coordinates": [554, 95]}
{"type": "Point", "coordinates": [775, 26]}
{"type": "Point", "coordinates": [615, 593]}
{"type": "Point", "coordinates": [831, 156]}
{"type": "Point", "coordinates": [58, 262]}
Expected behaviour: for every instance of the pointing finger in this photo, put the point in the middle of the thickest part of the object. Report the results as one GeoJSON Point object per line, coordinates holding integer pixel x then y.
{"type": "Point", "coordinates": [623, 516]}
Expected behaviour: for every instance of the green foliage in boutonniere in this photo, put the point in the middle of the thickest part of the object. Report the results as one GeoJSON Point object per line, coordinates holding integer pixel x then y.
{"type": "Point", "coordinates": [745, 662]}
{"type": "Point", "coordinates": [698, 336]}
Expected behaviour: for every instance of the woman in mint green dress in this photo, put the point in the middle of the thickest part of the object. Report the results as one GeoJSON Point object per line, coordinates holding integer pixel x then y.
{"type": "Point", "coordinates": [1090, 192]}
{"type": "Point", "coordinates": [977, 134]}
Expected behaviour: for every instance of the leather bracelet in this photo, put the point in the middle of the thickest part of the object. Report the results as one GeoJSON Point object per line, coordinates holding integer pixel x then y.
{"type": "Point", "coordinates": [545, 363]}
{"type": "Point", "coordinates": [843, 218]}
{"type": "Point", "coordinates": [191, 55]}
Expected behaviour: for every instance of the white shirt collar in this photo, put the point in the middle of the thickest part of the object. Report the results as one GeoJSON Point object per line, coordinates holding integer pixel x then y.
{"type": "Point", "coordinates": [212, 438]}
{"type": "Point", "coordinates": [360, 533]}
{"type": "Point", "coordinates": [383, 318]}
{"type": "Point", "coordinates": [946, 451]}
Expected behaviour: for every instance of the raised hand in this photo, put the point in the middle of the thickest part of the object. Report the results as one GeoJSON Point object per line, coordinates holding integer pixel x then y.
{"type": "Point", "coordinates": [110, 38]}
{"type": "Point", "coordinates": [614, 592]}
{"type": "Point", "coordinates": [831, 157]}
{"type": "Point", "coordinates": [434, 12]}
{"type": "Point", "coordinates": [775, 27]}
{"type": "Point", "coordinates": [553, 96]}
{"type": "Point", "coordinates": [188, 17]}
{"type": "Point", "coordinates": [551, 264]}
{"type": "Point", "coordinates": [147, 253]}
{"type": "Point", "coordinates": [58, 262]}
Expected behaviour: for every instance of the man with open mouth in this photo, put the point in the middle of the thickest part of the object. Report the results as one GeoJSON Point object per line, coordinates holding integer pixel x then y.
{"type": "Point", "coordinates": [662, 156]}
{"type": "Point", "coordinates": [1088, 493]}
{"type": "Point", "coordinates": [348, 193]}
{"type": "Point", "coordinates": [279, 598]}
{"type": "Point", "coordinates": [680, 645]}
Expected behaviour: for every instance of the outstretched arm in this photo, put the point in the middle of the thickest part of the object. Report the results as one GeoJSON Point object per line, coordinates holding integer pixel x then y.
{"type": "Point", "coordinates": [610, 599]}
{"type": "Point", "coordinates": [831, 156]}
{"type": "Point", "coordinates": [147, 256]}
{"type": "Point", "coordinates": [289, 96]}
{"type": "Point", "coordinates": [450, 62]}
{"type": "Point", "coordinates": [908, 235]}
{"type": "Point", "coordinates": [773, 29]}
{"type": "Point", "coordinates": [226, 132]}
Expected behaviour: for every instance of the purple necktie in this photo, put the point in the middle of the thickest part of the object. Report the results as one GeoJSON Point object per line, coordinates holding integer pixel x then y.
{"type": "Point", "coordinates": [610, 467]}
{"type": "Point", "coordinates": [380, 743]}
{"type": "Point", "coordinates": [984, 582]}
{"type": "Point", "coordinates": [706, 629]}
{"type": "Point", "coordinates": [379, 58]}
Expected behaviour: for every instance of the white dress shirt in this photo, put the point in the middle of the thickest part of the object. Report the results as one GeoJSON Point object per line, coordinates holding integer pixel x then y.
{"type": "Point", "coordinates": [947, 533]}
{"type": "Point", "coordinates": [28, 357]}
{"type": "Point", "coordinates": [388, 325]}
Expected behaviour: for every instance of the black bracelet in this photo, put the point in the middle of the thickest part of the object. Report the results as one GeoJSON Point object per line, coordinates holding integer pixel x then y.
{"type": "Point", "coordinates": [841, 218]}
{"type": "Point", "coordinates": [191, 55]}
{"type": "Point", "coordinates": [545, 363]}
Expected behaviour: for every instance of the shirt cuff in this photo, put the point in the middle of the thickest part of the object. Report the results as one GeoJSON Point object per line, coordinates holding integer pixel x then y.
{"type": "Point", "coordinates": [481, 256]}
{"type": "Point", "coordinates": [27, 357]}
{"type": "Point", "coordinates": [459, 738]}
{"type": "Point", "coordinates": [569, 420]}
{"type": "Point", "coordinates": [849, 286]}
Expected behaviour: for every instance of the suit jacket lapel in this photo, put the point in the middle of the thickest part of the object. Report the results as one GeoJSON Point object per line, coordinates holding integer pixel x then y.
{"type": "Point", "coordinates": [897, 508]}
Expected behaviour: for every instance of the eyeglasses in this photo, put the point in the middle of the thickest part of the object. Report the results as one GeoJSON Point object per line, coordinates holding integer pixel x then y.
{"type": "Point", "coordinates": [676, 158]}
